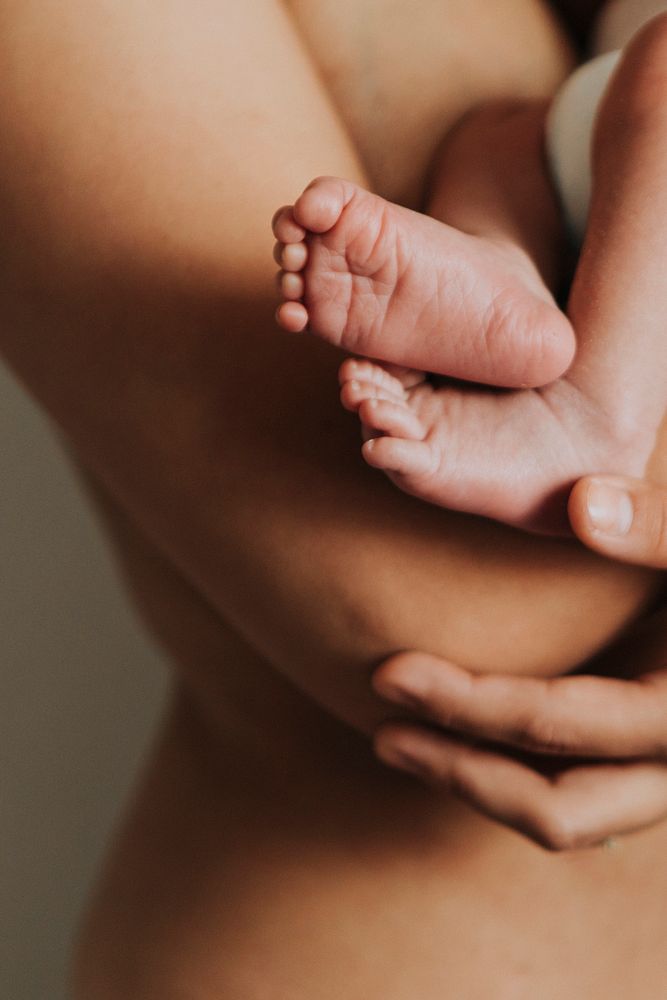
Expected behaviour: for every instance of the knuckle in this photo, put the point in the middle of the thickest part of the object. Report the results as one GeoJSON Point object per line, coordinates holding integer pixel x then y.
{"type": "Point", "coordinates": [539, 733]}
{"type": "Point", "coordinates": [457, 782]}
{"type": "Point", "coordinates": [556, 833]}
{"type": "Point", "coordinates": [396, 673]}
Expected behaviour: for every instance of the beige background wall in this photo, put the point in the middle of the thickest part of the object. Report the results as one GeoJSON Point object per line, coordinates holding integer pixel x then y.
{"type": "Point", "coordinates": [80, 690]}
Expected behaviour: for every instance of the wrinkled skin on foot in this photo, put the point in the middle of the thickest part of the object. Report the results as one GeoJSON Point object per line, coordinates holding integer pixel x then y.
{"type": "Point", "coordinates": [513, 456]}
{"type": "Point", "coordinates": [383, 281]}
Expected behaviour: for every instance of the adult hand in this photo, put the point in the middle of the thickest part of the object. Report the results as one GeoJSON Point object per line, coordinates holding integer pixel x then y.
{"type": "Point", "coordinates": [592, 760]}
{"type": "Point", "coordinates": [625, 519]}
{"type": "Point", "coordinates": [601, 743]}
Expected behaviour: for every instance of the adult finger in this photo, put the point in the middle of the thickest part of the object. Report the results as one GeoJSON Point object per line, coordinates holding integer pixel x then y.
{"type": "Point", "coordinates": [619, 295]}
{"type": "Point", "coordinates": [576, 808]}
{"type": "Point", "coordinates": [577, 716]}
{"type": "Point", "coordinates": [625, 519]}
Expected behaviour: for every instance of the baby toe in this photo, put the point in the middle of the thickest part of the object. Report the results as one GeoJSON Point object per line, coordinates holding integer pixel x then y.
{"type": "Point", "coordinates": [407, 377]}
{"type": "Point", "coordinates": [278, 253]}
{"type": "Point", "coordinates": [292, 286]}
{"type": "Point", "coordinates": [355, 392]}
{"type": "Point", "coordinates": [292, 317]}
{"type": "Point", "coordinates": [321, 205]}
{"type": "Point", "coordinates": [391, 418]}
{"type": "Point", "coordinates": [285, 228]}
{"type": "Point", "coordinates": [294, 257]}
{"type": "Point", "coordinates": [362, 370]}
{"type": "Point", "coordinates": [403, 458]}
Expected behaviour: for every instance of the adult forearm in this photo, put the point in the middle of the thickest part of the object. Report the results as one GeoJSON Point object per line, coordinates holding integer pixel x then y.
{"type": "Point", "coordinates": [140, 163]}
{"type": "Point", "coordinates": [136, 184]}
{"type": "Point", "coordinates": [136, 189]}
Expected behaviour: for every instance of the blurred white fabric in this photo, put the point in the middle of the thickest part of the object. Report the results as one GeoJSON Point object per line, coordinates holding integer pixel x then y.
{"type": "Point", "coordinates": [80, 691]}
{"type": "Point", "coordinates": [571, 121]}
{"type": "Point", "coordinates": [570, 126]}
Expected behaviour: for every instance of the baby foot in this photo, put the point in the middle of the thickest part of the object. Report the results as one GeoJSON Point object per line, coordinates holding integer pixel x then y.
{"type": "Point", "coordinates": [380, 280]}
{"type": "Point", "coordinates": [514, 456]}
{"type": "Point", "coordinates": [510, 456]}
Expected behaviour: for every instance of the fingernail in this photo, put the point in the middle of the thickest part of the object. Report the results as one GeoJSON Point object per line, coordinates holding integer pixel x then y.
{"type": "Point", "coordinates": [610, 509]}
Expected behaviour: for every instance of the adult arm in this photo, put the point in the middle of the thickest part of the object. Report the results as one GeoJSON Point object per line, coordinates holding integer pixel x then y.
{"type": "Point", "coordinates": [601, 743]}
{"type": "Point", "coordinates": [608, 734]}
{"type": "Point", "coordinates": [143, 151]}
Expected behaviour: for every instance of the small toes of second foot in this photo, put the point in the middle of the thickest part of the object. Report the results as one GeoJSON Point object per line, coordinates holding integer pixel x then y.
{"type": "Point", "coordinates": [362, 370]}
{"type": "Point", "coordinates": [398, 456]}
{"type": "Point", "coordinates": [391, 418]}
{"type": "Point", "coordinates": [355, 392]}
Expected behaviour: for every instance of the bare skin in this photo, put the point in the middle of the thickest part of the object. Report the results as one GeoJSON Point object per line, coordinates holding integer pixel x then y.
{"type": "Point", "coordinates": [365, 270]}
{"type": "Point", "coordinates": [604, 736]}
{"type": "Point", "coordinates": [397, 286]}
{"type": "Point", "coordinates": [265, 849]}
{"type": "Point", "coordinates": [267, 535]}
{"type": "Point", "coordinates": [229, 840]}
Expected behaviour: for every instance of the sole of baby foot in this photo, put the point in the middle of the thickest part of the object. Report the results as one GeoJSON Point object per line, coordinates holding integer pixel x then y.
{"type": "Point", "coordinates": [391, 284]}
{"type": "Point", "coordinates": [509, 456]}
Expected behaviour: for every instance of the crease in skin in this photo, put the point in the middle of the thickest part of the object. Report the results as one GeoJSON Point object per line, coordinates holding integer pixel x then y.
{"type": "Point", "coordinates": [621, 447]}
{"type": "Point", "coordinates": [267, 512]}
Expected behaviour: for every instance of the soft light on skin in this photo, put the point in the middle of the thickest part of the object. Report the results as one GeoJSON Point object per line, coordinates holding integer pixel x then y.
{"type": "Point", "coordinates": [610, 508]}
{"type": "Point", "coordinates": [621, 19]}
{"type": "Point", "coordinates": [625, 519]}
{"type": "Point", "coordinates": [570, 126]}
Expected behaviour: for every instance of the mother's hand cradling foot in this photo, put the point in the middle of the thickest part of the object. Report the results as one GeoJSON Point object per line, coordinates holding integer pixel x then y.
{"type": "Point", "coordinates": [625, 519]}
{"type": "Point", "coordinates": [608, 734]}
{"type": "Point", "coordinates": [573, 761]}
